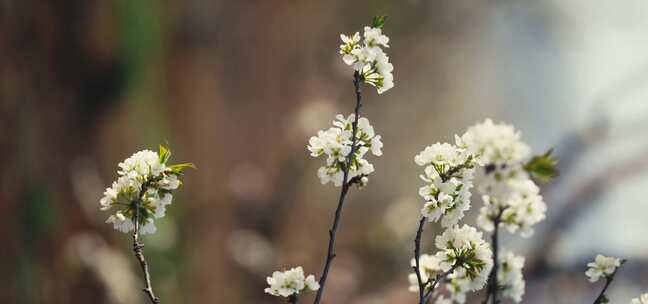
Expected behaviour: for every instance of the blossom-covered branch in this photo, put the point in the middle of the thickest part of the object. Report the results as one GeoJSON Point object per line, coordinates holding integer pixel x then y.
{"type": "Point", "coordinates": [139, 196]}
{"type": "Point", "coordinates": [464, 258]}
{"type": "Point", "coordinates": [351, 138]}
{"type": "Point", "coordinates": [495, 158]}
{"type": "Point", "coordinates": [511, 198]}
{"type": "Point", "coordinates": [346, 183]}
{"type": "Point", "coordinates": [448, 175]}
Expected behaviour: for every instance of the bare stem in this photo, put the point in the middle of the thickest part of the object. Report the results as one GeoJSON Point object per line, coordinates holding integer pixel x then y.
{"type": "Point", "coordinates": [292, 299]}
{"type": "Point", "coordinates": [492, 278]}
{"type": "Point", "coordinates": [345, 189]}
{"type": "Point", "coordinates": [139, 252]}
{"type": "Point", "coordinates": [417, 256]}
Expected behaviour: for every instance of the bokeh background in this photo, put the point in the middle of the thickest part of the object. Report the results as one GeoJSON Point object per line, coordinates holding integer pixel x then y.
{"type": "Point", "coordinates": [238, 87]}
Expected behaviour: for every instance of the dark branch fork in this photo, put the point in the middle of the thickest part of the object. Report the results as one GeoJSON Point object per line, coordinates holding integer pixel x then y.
{"type": "Point", "coordinates": [439, 277]}
{"type": "Point", "coordinates": [139, 252]}
{"type": "Point", "coordinates": [345, 189]}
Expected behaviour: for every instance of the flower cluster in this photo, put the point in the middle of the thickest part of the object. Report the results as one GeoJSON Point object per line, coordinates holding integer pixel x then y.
{"type": "Point", "coordinates": [143, 190]}
{"type": "Point", "coordinates": [448, 173]}
{"type": "Point", "coordinates": [464, 248]}
{"type": "Point", "coordinates": [365, 54]}
{"type": "Point", "coordinates": [498, 145]}
{"type": "Point", "coordinates": [463, 256]}
{"type": "Point", "coordinates": [336, 144]}
{"type": "Point", "coordinates": [509, 276]}
{"type": "Point", "coordinates": [523, 209]}
{"type": "Point", "coordinates": [290, 282]}
{"type": "Point", "coordinates": [602, 267]}
{"type": "Point", "coordinates": [508, 192]}
{"type": "Point", "coordinates": [642, 299]}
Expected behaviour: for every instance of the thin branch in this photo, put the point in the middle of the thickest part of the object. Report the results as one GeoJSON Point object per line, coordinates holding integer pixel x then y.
{"type": "Point", "coordinates": [292, 299]}
{"type": "Point", "coordinates": [139, 252]}
{"type": "Point", "coordinates": [440, 277]}
{"type": "Point", "coordinates": [345, 188]}
{"type": "Point", "coordinates": [417, 255]}
{"type": "Point", "coordinates": [492, 290]}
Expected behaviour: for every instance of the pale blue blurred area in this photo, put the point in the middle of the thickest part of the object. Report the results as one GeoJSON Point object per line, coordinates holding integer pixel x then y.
{"type": "Point", "coordinates": [574, 75]}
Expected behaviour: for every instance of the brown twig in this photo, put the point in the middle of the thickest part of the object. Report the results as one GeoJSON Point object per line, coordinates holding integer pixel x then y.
{"type": "Point", "coordinates": [417, 256]}
{"type": "Point", "coordinates": [345, 189]}
{"type": "Point", "coordinates": [138, 248]}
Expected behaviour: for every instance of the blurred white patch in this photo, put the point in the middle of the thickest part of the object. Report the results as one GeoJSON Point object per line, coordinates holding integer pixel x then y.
{"type": "Point", "coordinates": [87, 186]}
{"type": "Point", "coordinates": [310, 117]}
{"type": "Point", "coordinates": [251, 250]}
{"type": "Point", "coordinates": [402, 216]}
{"type": "Point", "coordinates": [110, 266]}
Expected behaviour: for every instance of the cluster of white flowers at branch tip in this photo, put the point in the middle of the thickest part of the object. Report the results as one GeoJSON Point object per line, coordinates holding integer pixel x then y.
{"type": "Point", "coordinates": [642, 299]}
{"type": "Point", "coordinates": [336, 144]}
{"type": "Point", "coordinates": [524, 208]}
{"type": "Point", "coordinates": [504, 183]}
{"type": "Point", "coordinates": [465, 255]}
{"type": "Point", "coordinates": [290, 282]}
{"type": "Point", "coordinates": [509, 276]}
{"type": "Point", "coordinates": [143, 188]}
{"type": "Point", "coordinates": [449, 174]}
{"type": "Point", "coordinates": [602, 267]}
{"type": "Point", "coordinates": [365, 54]}
{"type": "Point", "coordinates": [465, 247]}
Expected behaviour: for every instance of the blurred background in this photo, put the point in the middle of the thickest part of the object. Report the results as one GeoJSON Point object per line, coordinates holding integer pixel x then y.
{"type": "Point", "coordinates": [238, 87]}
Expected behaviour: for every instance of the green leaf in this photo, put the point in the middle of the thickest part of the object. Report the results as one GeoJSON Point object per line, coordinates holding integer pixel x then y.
{"type": "Point", "coordinates": [378, 21]}
{"type": "Point", "coordinates": [177, 168]}
{"type": "Point", "coordinates": [164, 153]}
{"type": "Point", "coordinates": [543, 167]}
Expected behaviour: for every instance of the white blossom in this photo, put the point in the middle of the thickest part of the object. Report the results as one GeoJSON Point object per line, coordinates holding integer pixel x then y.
{"type": "Point", "coordinates": [602, 267]}
{"type": "Point", "coordinates": [465, 249]}
{"type": "Point", "coordinates": [429, 267]}
{"type": "Point", "coordinates": [509, 276]}
{"type": "Point", "coordinates": [504, 184]}
{"type": "Point", "coordinates": [642, 299]}
{"type": "Point", "coordinates": [448, 173]}
{"type": "Point", "coordinates": [144, 185]}
{"type": "Point", "coordinates": [290, 282]}
{"type": "Point", "coordinates": [495, 144]}
{"type": "Point", "coordinates": [442, 300]}
{"type": "Point", "coordinates": [522, 208]}
{"type": "Point", "coordinates": [335, 144]}
{"type": "Point", "coordinates": [367, 57]}
{"type": "Point", "coordinates": [463, 256]}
